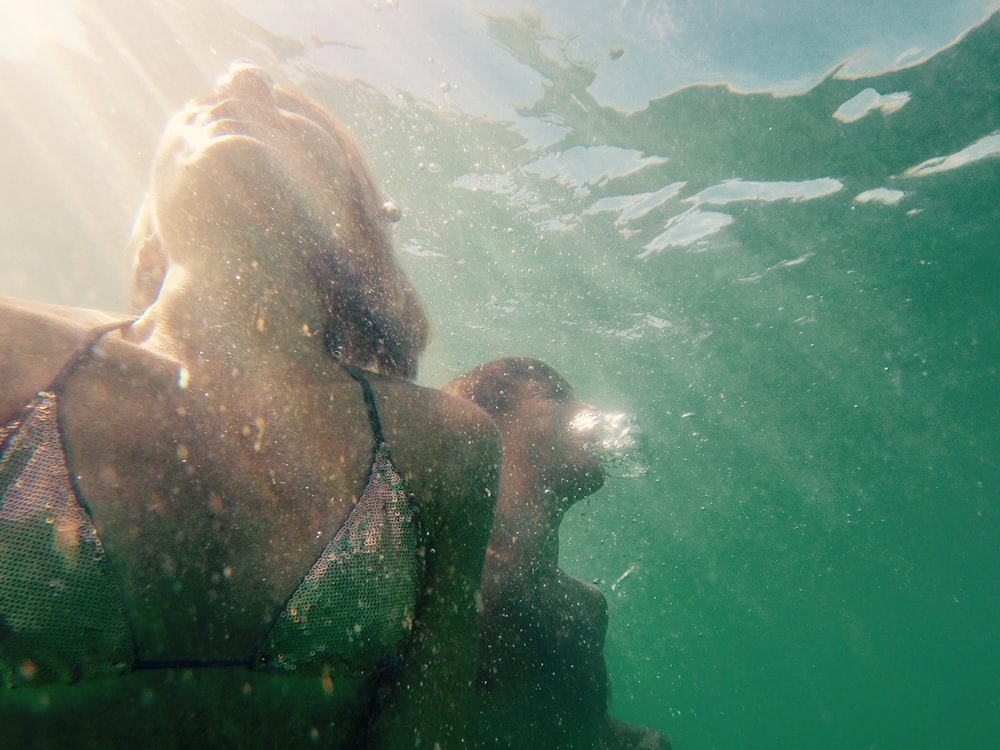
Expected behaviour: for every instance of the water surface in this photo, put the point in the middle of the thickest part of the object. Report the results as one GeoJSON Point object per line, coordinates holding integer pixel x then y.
{"type": "Point", "coordinates": [770, 230]}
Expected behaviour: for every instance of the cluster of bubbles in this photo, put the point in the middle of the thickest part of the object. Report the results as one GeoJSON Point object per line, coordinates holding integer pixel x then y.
{"type": "Point", "coordinates": [615, 438]}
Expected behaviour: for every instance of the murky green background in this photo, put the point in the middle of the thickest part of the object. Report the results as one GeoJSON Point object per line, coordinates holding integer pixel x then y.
{"type": "Point", "coordinates": [812, 559]}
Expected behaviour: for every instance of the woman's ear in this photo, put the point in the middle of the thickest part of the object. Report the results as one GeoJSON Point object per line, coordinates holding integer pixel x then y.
{"type": "Point", "coordinates": [149, 268]}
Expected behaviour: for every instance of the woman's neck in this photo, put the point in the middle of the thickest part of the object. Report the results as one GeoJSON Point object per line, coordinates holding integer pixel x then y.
{"type": "Point", "coordinates": [526, 523]}
{"type": "Point", "coordinates": [234, 317]}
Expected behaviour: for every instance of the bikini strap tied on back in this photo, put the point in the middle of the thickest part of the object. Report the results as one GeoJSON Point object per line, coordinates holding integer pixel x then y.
{"type": "Point", "coordinates": [369, 396]}
{"type": "Point", "coordinates": [83, 352]}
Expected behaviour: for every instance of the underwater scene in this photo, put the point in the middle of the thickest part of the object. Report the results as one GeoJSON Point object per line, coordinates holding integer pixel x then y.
{"type": "Point", "coordinates": [770, 231]}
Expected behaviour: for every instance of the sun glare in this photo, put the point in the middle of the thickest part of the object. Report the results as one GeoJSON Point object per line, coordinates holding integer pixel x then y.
{"type": "Point", "coordinates": [29, 25]}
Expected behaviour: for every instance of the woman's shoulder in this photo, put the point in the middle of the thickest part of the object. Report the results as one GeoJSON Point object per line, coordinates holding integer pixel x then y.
{"type": "Point", "coordinates": [36, 340]}
{"type": "Point", "coordinates": [442, 422]}
{"type": "Point", "coordinates": [446, 447]}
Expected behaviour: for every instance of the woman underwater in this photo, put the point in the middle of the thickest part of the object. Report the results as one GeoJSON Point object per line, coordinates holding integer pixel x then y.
{"type": "Point", "coordinates": [542, 680]}
{"type": "Point", "coordinates": [198, 507]}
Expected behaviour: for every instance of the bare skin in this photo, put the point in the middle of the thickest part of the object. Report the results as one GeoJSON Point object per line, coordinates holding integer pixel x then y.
{"type": "Point", "coordinates": [219, 446]}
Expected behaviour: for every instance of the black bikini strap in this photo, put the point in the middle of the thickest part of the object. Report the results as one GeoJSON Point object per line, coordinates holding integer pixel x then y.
{"type": "Point", "coordinates": [151, 664]}
{"type": "Point", "coordinates": [82, 352]}
{"type": "Point", "coordinates": [366, 390]}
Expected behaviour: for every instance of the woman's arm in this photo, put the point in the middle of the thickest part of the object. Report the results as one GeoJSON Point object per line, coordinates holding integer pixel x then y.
{"type": "Point", "coordinates": [430, 703]}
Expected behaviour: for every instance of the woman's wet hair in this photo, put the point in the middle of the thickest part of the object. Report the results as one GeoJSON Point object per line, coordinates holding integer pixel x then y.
{"type": "Point", "coordinates": [374, 315]}
{"type": "Point", "coordinates": [497, 387]}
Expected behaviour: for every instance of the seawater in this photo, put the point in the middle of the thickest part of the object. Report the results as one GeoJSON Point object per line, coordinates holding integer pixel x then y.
{"type": "Point", "coordinates": [796, 295]}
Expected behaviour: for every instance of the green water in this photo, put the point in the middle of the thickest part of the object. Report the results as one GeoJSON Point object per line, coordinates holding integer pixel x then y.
{"type": "Point", "coordinates": [813, 554]}
{"type": "Point", "coordinates": [811, 560]}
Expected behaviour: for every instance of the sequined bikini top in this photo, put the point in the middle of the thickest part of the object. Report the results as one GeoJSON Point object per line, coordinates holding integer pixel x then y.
{"type": "Point", "coordinates": [61, 610]}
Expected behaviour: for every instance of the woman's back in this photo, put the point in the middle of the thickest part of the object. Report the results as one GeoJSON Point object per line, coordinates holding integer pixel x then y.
{"type": "Point", "coordinates": [214, 491]}
{"type": "Point", "coordinates": [250, 504]}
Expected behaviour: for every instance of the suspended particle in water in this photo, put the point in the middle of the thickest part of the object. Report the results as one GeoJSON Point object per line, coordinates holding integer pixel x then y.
{"type": "Point", "coordinates": [391, 212]}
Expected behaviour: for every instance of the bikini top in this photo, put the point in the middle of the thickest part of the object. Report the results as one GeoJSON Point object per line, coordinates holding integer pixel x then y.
{"type": "Point", "coordinates": [61, 611]}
